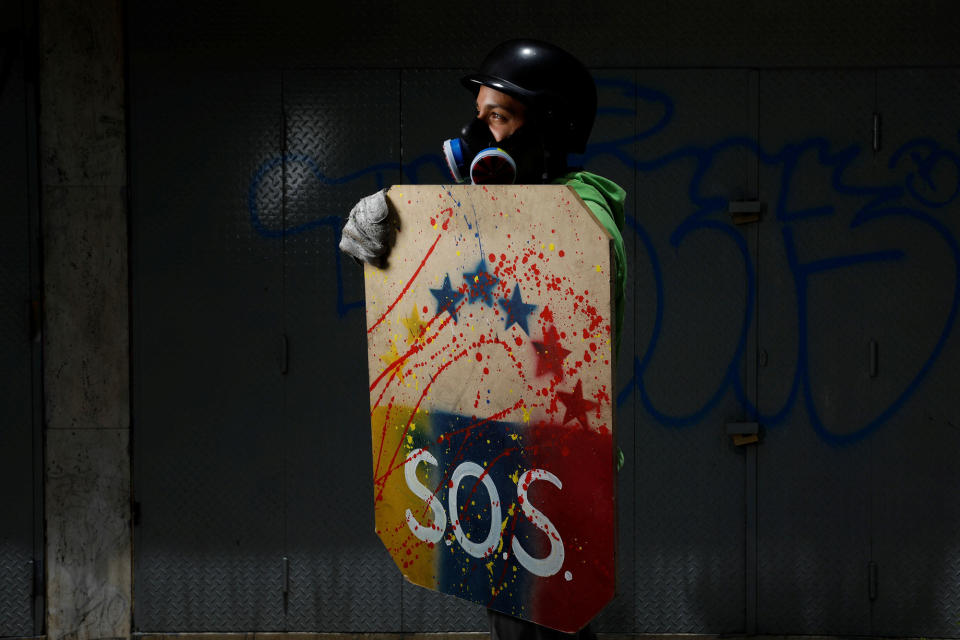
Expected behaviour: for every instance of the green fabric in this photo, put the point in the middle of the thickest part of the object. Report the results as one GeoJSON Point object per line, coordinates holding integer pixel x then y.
{"type": "Point", "coordinates": [605, 199]}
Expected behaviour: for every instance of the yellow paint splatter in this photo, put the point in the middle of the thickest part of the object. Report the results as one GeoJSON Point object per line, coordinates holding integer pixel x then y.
{"type": "Point", "coordinates": [551, 247]}
{"type": "Point", "coordinates": [392, 356]}
{"type": "Point", "coordinates": [416, 328]}
{"type": "Point", "coordinates": [599, 270]}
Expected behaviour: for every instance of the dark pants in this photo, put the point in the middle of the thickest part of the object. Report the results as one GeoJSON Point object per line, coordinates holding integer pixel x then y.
{"type": "Point", "coordinates": [504, 627]}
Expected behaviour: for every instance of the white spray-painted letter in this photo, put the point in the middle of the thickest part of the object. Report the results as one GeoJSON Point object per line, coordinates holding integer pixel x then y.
{"type": "Point", "coordinates": [427, 533]}
{"type": "Point", "coordinates": [488, 546]}
{"type": "Point", "coordinates": [551, 564]}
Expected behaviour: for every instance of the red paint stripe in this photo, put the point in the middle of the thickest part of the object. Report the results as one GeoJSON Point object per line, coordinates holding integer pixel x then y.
{"type": "Point", "coordinates": [393, 365]}
{"type": "Point", "coordinates": [391, 468]}
{"type": "Point", "coordinates": [407, 286]}
{"type": "Point", "coordinates": [383, 434]}
{"type": "Point", "coordinates": [469, 429]}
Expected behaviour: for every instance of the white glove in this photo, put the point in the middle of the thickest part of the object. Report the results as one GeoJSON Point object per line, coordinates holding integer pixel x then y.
{"type": "Point", "coordinates": [369, 230]}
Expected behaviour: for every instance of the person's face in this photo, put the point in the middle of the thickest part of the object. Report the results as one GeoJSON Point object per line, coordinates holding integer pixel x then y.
{"type": "Point", "coordinates": [502, 113]}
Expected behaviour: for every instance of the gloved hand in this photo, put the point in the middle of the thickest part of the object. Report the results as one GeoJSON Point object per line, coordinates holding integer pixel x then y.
{"type": "Point", "coordinates": [369, 230]}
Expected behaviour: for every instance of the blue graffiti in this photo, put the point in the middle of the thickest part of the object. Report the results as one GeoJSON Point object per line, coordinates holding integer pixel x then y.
{"type": "Point", "coordinates": [930, 181]}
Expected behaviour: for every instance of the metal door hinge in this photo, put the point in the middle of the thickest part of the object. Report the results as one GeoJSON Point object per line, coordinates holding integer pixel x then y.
{"type": "Point", "coordinates": [872, 580]}
{"type": "Point", "coordinates": [743, 433]}
{"type": "Point", "coordinates": [745, 211]}
{"type": "Point", "coordinates": [876, 132]}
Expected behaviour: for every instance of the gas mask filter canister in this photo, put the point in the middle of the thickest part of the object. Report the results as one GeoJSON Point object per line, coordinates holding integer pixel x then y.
{"type": "Point", "coordinates": [473, 156]}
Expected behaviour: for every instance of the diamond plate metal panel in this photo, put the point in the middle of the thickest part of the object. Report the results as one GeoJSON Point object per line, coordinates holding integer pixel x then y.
{"type": "Point", "coordinates": [693, 266]}
{"type": "Point", "coordinates": [16, 376]}
{"type": "Point", "coordinates": [206, 327]}
{"type": "Point", "coordinates": [813, 499]}
{"type": "Point", "coordinates": [206, 156]}
{"type": "Point", "coordinates": [916, 479]}
{"type": "Point", "coordinates": [342, 142]}
{"type": "Point", "coordinates": [682, 33]}
{"type": "Point", "coordinates": [428, 611]}
{"type": "Point", "coordinates": [616, 121]}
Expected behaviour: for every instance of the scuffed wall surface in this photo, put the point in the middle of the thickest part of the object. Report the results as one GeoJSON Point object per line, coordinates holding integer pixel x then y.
{"type": "Point", "coordinates": [88, 543]}
{"type": "Point", "coordinates": [82, 139]}
{"type": "Point", "coordinates": [86, 297]}
{"type": "Point", "coordinates": [86, 379]}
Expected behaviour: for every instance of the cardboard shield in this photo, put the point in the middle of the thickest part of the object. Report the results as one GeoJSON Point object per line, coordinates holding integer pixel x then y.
{"type": "Point", "coordinates": [490, 359]}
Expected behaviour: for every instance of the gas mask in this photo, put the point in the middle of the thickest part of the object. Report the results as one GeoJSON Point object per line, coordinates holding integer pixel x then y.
{"type": "Point", "coordinates": [476, 156]}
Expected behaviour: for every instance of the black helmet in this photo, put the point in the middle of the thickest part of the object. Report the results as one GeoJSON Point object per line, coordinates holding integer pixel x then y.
{"type": "Point", "coordinates": [550, 81]}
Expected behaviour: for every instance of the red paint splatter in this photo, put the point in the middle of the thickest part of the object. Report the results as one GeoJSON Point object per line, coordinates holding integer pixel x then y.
{"type": "Point", "coordinates": [406, 288]}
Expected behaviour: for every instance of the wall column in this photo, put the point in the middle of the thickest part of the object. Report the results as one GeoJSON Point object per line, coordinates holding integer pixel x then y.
{"type": "Point", "coordinates": [85, 332]}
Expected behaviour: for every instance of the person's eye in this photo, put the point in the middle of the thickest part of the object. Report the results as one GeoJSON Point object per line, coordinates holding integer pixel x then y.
{"type": "Point", "coordinates": [497, 116]}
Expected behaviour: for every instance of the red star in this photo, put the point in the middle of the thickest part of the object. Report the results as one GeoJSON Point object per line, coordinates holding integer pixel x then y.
{"type": "Point", "coordinates": [577, 405]}
{"type": "Point", "coordinates": [550, 353]}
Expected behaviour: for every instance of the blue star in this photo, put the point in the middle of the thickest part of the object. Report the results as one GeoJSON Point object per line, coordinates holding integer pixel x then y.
{"type": "Point", "coordinates": [517, 310]}
{"type": "Point", "coordinates": [480, 283]}
{"type": "Point", "coordinates": [447, 298]}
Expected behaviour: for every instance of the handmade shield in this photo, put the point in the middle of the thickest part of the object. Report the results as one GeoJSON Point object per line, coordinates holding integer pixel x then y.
{"type": "Point", "coordinates": [490, 350]}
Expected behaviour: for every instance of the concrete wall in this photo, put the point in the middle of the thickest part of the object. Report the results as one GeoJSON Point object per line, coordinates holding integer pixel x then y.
{"type": "Point", "coordinates": [85, 343]}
